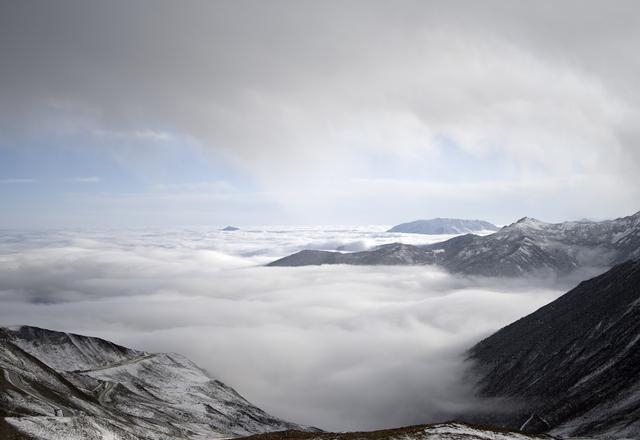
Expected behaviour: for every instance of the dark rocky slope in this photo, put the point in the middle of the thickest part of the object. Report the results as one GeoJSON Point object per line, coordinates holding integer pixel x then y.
{"type": "Point", "coordinates": [573, 366]}
{"type": "Point", "coordinates": [389, 254]}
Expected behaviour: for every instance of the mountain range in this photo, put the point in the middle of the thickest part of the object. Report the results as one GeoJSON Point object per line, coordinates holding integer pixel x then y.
{"type": "Point", "coordinates": [526, 247]}
{"type": "Point", "coordinates": [437, 226]}
{"type": "Point", "coordinates": [58, 385]}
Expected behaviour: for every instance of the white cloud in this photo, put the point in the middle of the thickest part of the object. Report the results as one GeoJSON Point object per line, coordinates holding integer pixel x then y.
{"type": "Point", "coordinates": [153, 136]}
{"type": "Point", "coordinates": [90, 179]}
{"type": "Point", "coordinates": [334, 346]}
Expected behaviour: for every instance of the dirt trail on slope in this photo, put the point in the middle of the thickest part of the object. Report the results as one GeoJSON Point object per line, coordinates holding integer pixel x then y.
{"type": "Point", "coordinates": [16, 380]}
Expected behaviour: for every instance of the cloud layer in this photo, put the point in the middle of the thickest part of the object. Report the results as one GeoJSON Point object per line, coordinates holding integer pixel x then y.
{"type": "Point", "coordinates": [337, 347]}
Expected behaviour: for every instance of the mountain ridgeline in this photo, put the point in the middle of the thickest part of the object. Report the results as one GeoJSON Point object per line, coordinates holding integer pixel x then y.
{"type": "Point", "coordinates": [526, 247]}
{"type": "Point", "coordinates": [438, 226]}
{"type": "Point", "coordinates": [571, 368]}
{"type": "Point", "coordinates": [58, 385]}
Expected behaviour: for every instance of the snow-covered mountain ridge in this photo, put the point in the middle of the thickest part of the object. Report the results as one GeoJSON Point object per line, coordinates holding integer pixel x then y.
{"type": "Point", "coordinates": [58, 385]}
{"type": "Point", "coordinates": [525, 247]}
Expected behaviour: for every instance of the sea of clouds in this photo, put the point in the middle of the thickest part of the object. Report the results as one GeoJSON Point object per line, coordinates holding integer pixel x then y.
{"type": "Point", "coordinates": [338, 347]}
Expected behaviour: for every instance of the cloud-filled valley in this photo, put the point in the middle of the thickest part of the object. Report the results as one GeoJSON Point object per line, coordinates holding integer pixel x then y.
{"type": "Point", "coordinates": [334, 346]}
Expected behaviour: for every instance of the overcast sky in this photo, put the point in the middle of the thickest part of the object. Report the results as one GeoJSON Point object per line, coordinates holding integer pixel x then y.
{"type": "Point", "coordinates": [281, 112]}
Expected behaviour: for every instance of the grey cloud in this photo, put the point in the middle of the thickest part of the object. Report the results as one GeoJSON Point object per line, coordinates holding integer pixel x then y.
{"type": "Point", "coordinates": [282, 84]}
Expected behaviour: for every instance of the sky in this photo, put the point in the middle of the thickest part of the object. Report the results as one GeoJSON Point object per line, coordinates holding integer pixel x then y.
{"type": "Point", "coordinates": [161, 113]}
{"type": "Point", "coordinates": [338, 347]}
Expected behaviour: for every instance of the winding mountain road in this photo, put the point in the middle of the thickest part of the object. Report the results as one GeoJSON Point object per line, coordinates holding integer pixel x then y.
{"type": "Point", "coordinates": [103, 396]}
{"type": "Point", "coordinates": [16, 380]}
{"type": "Point", "coordinates": [119, 364]}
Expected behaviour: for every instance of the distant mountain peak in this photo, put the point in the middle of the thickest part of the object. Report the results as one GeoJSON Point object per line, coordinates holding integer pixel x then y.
{"type": "Point", "coordinates": [530, 220]}
{"type": "Point", "coordinates": [439, 225]}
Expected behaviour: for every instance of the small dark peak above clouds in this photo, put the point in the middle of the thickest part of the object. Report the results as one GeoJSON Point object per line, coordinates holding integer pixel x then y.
{"type": "Point", "coordinates": [444, 226]}
{"type": "Point", "coordinates": [230, 228]}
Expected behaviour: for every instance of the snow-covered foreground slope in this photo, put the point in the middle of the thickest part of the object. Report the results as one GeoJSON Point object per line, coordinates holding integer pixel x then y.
{"type": "Point", "coordinates": [525, 247]}
{"type": "Point", "coordinates": [441, 431]}
{"type": "Point", "coordinates": [61, 386]}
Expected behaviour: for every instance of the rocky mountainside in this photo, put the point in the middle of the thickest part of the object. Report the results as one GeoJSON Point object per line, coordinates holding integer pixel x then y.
{"type": "Point", "coordinates": [530, 245]}
{"type": "Point", "coordinates": [438, 226]}
{"type": "Point", "coordinates": [441, 431]}
{"type": "Point", "coordinates": [58, 385]}
{"type": "Point", "coordinates": [573, 366]}
{"type": "Point", "coordinates": [388, 254]}
{"type": "Point", "coordinates": [527, 246]}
